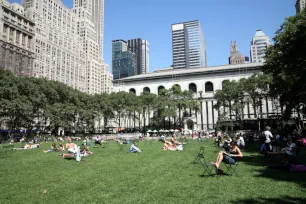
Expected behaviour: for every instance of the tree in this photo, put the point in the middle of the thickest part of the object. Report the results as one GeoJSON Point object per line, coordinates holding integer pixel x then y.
{"type": "Point", "coordinates": [286, 63]}
{"type": "Point", "coordinates": [231, 97]}
{"type": "Point", "coordinates": [256, 89]}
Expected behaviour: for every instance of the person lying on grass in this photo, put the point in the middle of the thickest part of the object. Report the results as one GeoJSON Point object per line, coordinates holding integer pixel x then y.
{"type": "Point", "coordinates": [134, 148]}
{"type": "Point", "coordinates": [169, 146]}
{"type": "Point", "coordinates": [287, 152]}
{"type": "Point", "coordinates": [53, 148]}
{"type": "Point", "coordinates": [229, 158]}
{"type": "Point", "coordinates": [28, 146]}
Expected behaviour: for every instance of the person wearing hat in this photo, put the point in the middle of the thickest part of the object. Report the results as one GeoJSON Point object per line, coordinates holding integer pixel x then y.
{"type": "Point", "coordinates": [268, 136]}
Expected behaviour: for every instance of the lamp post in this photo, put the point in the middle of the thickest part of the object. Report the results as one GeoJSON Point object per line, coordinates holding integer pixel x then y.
{"type": "Point", "coordinates": [202, 125]}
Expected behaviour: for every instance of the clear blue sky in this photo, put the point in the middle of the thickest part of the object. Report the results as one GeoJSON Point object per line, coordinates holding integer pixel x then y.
{"type": "Point", "coordinates": [221, 20]}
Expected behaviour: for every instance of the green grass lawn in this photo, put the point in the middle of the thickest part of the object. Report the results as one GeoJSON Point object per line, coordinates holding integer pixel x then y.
{"type": "Point", "coordinates": [153, 176]}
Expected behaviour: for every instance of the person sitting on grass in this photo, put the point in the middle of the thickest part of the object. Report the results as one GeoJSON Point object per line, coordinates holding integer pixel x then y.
{"type": "Point", "coordinates": [174, 141]}
{"type": "Point", "coordinates": [70, 144]}
{"type": "Point", "coordinates": [28, 146]}
{"type": "Point", "coordinates": [227, 143]}
{"type": "Point", "coordinates": [72, 153]}
{"type": "Point", "coordinates": [61, 148]}
{"type": "Point", "coordinates": [53, 148]}
{"type": "Point", "coordinates": [229, 158]}
{"type": "Point", "coordinates": [169, 146]}
{"type": "Point", "coordinates": [85, 152]}
{"type": "Point", "coordinates": [134, 148]}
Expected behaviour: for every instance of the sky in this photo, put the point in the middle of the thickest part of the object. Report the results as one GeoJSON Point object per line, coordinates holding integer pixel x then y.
{"type": "Point", "coordinates": [222, 21]}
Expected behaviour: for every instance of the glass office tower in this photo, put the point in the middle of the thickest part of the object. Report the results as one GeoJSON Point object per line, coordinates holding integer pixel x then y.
{"type": "Point", "coordinates": [188, 45]}
{"type": "Point", "coordinates": [124, 62]}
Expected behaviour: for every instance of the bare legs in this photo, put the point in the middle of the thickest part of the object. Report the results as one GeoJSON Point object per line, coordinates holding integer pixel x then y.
{"type": "Point", "coordinates": [218, 160]}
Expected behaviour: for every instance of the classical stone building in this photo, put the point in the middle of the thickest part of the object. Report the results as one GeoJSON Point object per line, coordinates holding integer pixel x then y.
{"type": "Point", "coordinates": [235, 56]}
{"type": "Point", "coordinates": [204, 83]}
{"type": "Point", "coordinates": [16, 39]}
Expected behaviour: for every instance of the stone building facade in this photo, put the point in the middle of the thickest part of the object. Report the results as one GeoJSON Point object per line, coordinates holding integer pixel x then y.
{"type": "Point", "coordinates": [16, 39]}
{"type": "Point", "coordinates": [204, 83]}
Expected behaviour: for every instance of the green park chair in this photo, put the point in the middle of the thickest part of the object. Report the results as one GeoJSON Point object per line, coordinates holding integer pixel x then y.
{"type": "Point", "coordinates": [231, 168]}
{"type": "Point", "coordinates": [199, 158]}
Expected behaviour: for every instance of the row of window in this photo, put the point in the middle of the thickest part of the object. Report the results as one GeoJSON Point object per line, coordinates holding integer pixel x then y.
{"type": "Point", "coordinates": [209, 87]}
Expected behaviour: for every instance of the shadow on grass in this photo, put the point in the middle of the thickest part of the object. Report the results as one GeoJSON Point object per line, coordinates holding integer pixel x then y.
{"type": "Point", "coordinates": [253, 158]}
{"type": "Point", "coordinates": [282, 200]}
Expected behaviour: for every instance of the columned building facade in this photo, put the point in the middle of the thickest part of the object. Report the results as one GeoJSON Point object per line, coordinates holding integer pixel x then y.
{"type": "Point", "coordinates": [16, 39]}
{"type": "Point", "coordinates": [204, 83]}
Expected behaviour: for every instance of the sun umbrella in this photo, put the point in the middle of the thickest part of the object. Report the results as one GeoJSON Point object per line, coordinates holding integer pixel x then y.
{"type": "Point", "coordinates": [171, 130]}
{"type": "Point", "coordinates": [161, 131]}
{"type": "Point", "coordinates": [155, 131]}
{"type": "Point", "coordinates": [149, 131]}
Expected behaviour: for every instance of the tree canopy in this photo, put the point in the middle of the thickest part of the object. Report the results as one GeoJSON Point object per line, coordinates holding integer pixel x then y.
{"type": "Point", "coordinates": [286, 63]}
{"type": "Point", "coordinates": [46, 106]}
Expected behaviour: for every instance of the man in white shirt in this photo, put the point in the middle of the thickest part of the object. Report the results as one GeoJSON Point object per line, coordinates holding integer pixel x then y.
{"type": "Point", "coordinates": [268, 136]}
{"type": "Point", "coordinates": [240, 141]}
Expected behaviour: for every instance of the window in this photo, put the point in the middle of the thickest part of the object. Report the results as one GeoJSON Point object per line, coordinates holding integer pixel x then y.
{"type": "Point", "coordinates": [224, 83]}
{"type": "Point", "coordinates": [209, 87]}
{"type": "Point", "coordinates": [133, 91]}
{"type": "Point", "coordinates": [146, 89]}
{"type": "Point", "coordinates": [160, 89]}
{"type": "Point", "coordinates": [193, 87]}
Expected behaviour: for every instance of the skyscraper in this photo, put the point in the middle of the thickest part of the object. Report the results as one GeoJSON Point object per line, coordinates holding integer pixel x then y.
{"type": "Point", "coordinates": [300, 5]}
{"type": "Point", "coordinates": [69, 42]}
{"type": "Point", "coordinates": [58, 47]}
{"type": "Point", "coordinates": [141, 49]}
{"type": "Point", "coordinates": [16, 39]}
{"type": "Point", "coordinates": [188, 45]}
{"type": "Point", "coordinates": [235, 56]}
{"type": "Point", "coordinates": [89, 33]}
{"type": "Point", "coordinates": [98, 20]}
{"type": "Point", "coordinates": [259, 44]}
{"type": "Point", "coordinates": [124, 62]}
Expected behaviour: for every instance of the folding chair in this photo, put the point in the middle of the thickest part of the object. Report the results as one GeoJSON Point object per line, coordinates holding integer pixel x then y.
{"type": "Point", "coordinates": [231, 168]}
{"type": "Point", "coordinates": [120, 147]}
{"type": "Point", "coordinates": [200, 159]}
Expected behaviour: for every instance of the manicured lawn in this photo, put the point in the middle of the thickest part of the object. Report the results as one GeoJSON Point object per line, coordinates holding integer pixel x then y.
{"type": "Point", "coordinates": [153, 176]}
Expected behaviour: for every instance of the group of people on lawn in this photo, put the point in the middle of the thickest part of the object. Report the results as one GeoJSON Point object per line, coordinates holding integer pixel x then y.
{"type": "Point", "coordinates": [288, 151]}
{"type": "Point", "coordinates": [174, 145]}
